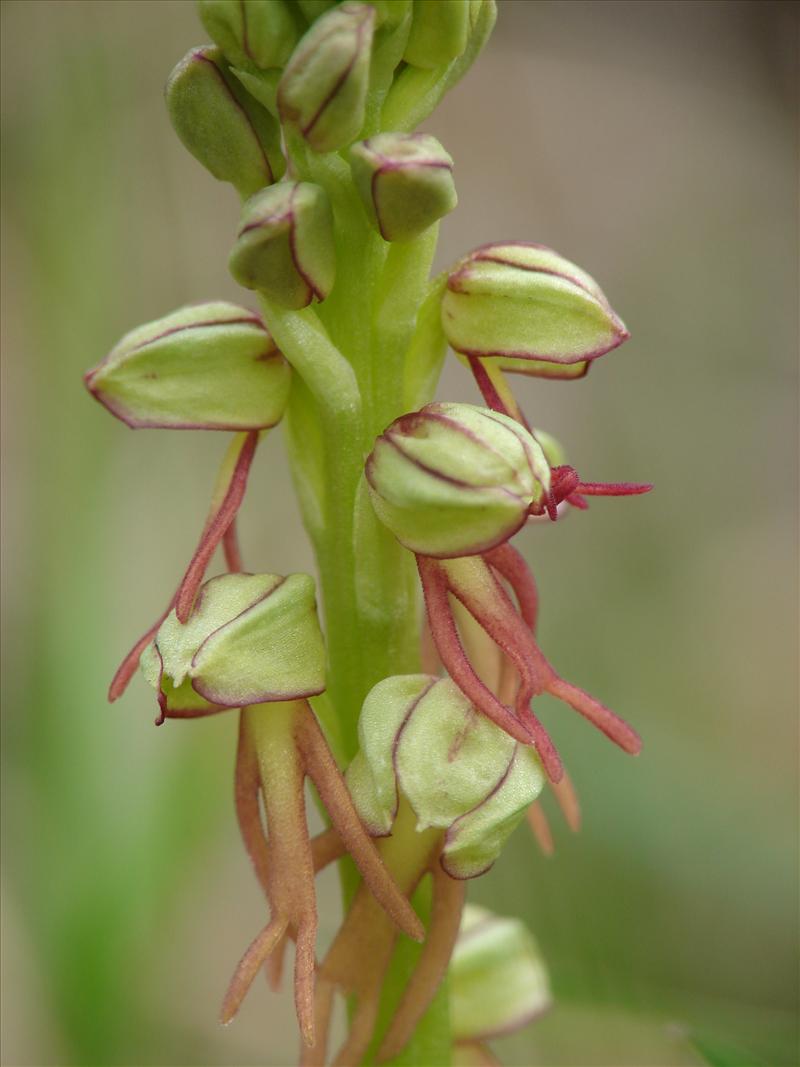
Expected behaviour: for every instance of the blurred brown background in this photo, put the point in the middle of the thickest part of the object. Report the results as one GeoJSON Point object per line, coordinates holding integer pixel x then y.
{"type": "Point", "coordinates": [655, 144]}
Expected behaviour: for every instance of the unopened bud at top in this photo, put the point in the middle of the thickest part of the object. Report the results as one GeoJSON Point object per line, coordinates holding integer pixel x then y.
{"type": "Point", "coordinates": [323, 91]}
{"type": "Point", "coordinates": [528, 309]}
{"type": "Point", "coordinates": [285, 246]}
{"type": "Point", "coordinates": [439, 32]}
{"type": "Point", "coordinates": [420, 738]}
{"type": "Point", "coordinates": [251, 33]}
{"type": "Point", "coordinates": [212, 366]}
{"type": "Point", "coordinates": [251, 638]}
{"type": "Point", "coordinates": [455, 480]}
{"type": "Point", "coordinates": [405, 181]}
{"type": "Point", "coordinates": [498, 980]}
{"type": "Point", "coordinates": [224, 128]}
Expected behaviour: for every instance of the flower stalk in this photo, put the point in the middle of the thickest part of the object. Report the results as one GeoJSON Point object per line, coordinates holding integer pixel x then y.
{"type": "Point", "coordinates": [308, 110]}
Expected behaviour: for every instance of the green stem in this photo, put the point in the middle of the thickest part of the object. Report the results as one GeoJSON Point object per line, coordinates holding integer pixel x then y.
{"type": "Point", "coordinates": [349, 356]}
{"type": "Point", "coordinates": [406, 853]}
{"type": "Point", "coordinates": [332, 400]}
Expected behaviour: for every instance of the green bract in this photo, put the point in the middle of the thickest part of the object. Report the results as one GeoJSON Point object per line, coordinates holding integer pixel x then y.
{"type": "Point", "coordinates": [405, 181]}
{"type": "Point", "coordinates": [230, 133]}
{"type": "Point", "coordinates": [552, 447]}
{"type": "Point", "coordinates": [312, 9]}
{"type": "Point", "coordinates": [323, 92]}
{"type": "Point", "coordinates": [498, 981]}
{"type": "Point", "coordinates": [251, 638]}
{"type": "Point", "coordinates": [285, 244]}
{"type": "Point", "coordinates": [454, 479]}
{"type": "Point", "coordinates": [389, 14]}
{"type": "Point", "coordinates": [251, 33]}
{"type": "Point", "coordinates": [439, 32]}
{"type": "Point", "coordinates": [528, 309]}
{"type": "Point", "coordinates": [416, 91]}
{"type": "Point", "coordinates": [210, 366]}
{"type": "Point", "coordinates": [420, 737]}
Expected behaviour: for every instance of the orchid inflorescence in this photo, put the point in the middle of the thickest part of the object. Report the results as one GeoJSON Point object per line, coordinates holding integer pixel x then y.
{"type": "Point", "coordinates": [421, 742]}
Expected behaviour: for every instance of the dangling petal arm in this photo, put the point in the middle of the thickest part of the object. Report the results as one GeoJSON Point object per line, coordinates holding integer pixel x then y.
{"type": "Point", "coordinates": [445, 636]}
{"type": "Point", "coordinates": [218, 523]}
{"type": "Point", "coordinates": [448, 902]}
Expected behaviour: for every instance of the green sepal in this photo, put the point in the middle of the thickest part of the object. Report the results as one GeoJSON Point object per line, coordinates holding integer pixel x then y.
{"type": "Point", "coordinates": [285, 247]}
{"type": "Point", "coordinates": [439, 32]}
{"type": "Point", "coordinates": [376, 816]}
{"type": "Point", "coordinates": [536, 368]}
{"type": "Point", "coordinates": [251, 638]}
{"type": "Point", "coordinates": [371, 775]}
{"type": "Point", "coordinates": [498, 980]}
{"type": "Point", "coordinates": [225, 129]}
{"type": "Point", "coordinates": [474, 842]}
{"type": "Point", "coordinates": [405, 182]}
{"type": "Point", "coordinates": [323, 92]}
{"type": "Point", "coordinates": [455, 479]}
{"type": "Point", "coordinates": [251, 33]}
{"type": "Point", "coordinates": [520, 302]}
{"type": "Point", "coordinates": [210, 366]}
{"type": "Point", "coordinates": [448, 757]}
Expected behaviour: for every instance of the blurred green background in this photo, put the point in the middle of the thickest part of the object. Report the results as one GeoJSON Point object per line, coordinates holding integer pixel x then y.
{"type": "Point", "coordinates": [655, 144]}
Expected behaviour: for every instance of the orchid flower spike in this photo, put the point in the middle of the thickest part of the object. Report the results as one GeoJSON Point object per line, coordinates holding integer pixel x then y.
{"type": "Point", "coordinates": [309, 110]}
{"type": "Point", "coordinates": [453, 483]}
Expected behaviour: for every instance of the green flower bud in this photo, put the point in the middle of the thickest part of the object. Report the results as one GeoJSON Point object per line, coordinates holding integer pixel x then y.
{"type": "Point", "coordinates": [528, 309]}
{"type": "Point", "coordinates": [439, 32]}
{"type": "Point", "coordinates": [498, 980]}
{"type": "Point", "coordinates": [420, 737]}
{"type": "Point", "coordinates": [405, 181]}
{"type": "Point", "coordinates": [323, 91]}
{"type": "Point", "coordinates": [211, 367]}
{"type": "Point", "coordinates": [285, 245]}
{"type": "Point", "coordinates": [251, 638]}
{"type": "Point", "coordinates": [224, 128]}
{"type": "Point", "coordinates": [251, 33]}
{"type": "Point", "coordinates": [454, 479]}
